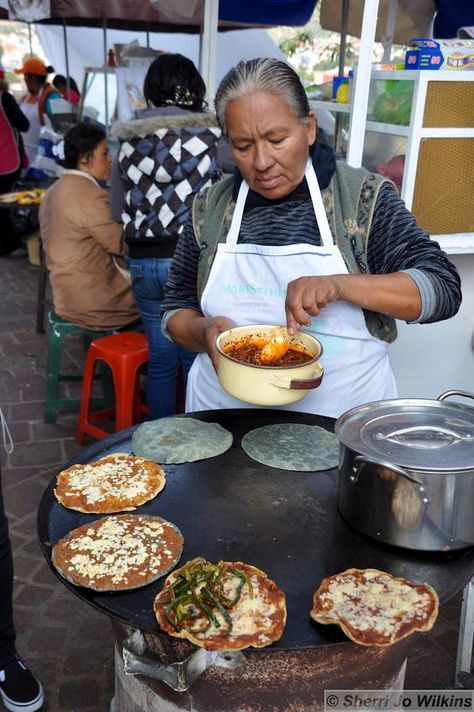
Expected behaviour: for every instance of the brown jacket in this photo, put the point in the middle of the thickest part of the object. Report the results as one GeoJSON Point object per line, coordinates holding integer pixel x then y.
{"type": "Point", "coordinates": [80, 239]}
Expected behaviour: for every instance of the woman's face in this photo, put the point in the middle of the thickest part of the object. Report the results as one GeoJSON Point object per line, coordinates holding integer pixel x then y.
{"type": "Point", "coordinates": [98, 163]}
{"type": "Point", "coordinates": [32, 83]}
{"type": "Point", "coordinates": [269, 143]}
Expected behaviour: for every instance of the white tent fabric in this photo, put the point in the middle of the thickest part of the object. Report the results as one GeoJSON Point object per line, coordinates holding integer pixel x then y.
{"type": "Point", "coordinates": [86, 48]}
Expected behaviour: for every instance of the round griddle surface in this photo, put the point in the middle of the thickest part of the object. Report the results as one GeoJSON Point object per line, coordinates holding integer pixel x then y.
{"type": "Point", "coordinates": [235, 509]}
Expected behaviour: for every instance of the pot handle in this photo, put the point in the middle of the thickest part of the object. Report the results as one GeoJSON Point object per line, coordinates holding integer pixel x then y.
{"type": "Point", "coordinates": [448, 394]}
{"type": "Point", "coordinates": [298, 384]}
{"type": "Point", "coordinates": [361, 460]}
{"type": "Point", "coordinates": [443, 433]}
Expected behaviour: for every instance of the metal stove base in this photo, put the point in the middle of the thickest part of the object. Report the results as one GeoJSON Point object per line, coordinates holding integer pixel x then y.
{"type": "Point", "coordinates": [283, 681]}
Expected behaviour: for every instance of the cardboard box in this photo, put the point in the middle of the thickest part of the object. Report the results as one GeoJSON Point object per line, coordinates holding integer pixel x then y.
{"type": "Point", "coordinates": [453, 54]}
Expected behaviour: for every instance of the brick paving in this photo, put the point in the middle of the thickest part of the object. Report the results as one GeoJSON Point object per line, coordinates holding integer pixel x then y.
{"type": "Point", "coordinates": [67, 643]}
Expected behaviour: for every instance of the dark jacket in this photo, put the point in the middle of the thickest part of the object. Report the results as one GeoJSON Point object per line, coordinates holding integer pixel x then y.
{"type": "Point", "coordinates": [12, 153]}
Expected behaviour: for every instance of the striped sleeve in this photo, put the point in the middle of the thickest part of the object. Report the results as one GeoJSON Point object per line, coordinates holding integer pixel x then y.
{"type": "Point", "coordinates": [181, 290]}
{"type": "Point", "coordinates": [397, 244]}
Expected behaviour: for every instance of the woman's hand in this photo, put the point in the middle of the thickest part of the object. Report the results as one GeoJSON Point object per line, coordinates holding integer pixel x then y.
{"type": "Point", "coordinates": [306, 296]}
{"type": "Point", "coordinates": [195, 332]}
{"type": "Point", "coordinates": [213, 328]}
{"type": "Point", "coordinates": [393, 294]}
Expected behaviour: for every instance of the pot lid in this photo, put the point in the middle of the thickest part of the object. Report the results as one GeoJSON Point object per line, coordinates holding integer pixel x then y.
{"type": "Point", "coordinates": [419, 434]}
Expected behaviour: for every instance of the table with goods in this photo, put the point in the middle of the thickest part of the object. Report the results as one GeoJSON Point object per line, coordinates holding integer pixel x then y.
{"type": "Point", "coordinates": [25, 203]}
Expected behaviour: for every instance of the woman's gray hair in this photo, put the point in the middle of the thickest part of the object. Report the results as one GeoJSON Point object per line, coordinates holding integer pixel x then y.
{"type": "Point", "coordinates": [265, 74]}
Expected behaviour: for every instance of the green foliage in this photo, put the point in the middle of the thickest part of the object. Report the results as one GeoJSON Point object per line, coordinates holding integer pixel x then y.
{"type": "Point", "coordinates": [393, 106]}
{"type": "Point", "coordinates": [323, 46]}
{"type": "Point", "coordinates": [302, 39]}
{"type": "Point", "coordinates": [332, 54]}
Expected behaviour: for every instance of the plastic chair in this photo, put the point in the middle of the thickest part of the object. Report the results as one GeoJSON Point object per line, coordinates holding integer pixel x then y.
{"type": "Point", "coordinates": [124, 353]}
{"type": "Point", "coordinates": [59, 330]}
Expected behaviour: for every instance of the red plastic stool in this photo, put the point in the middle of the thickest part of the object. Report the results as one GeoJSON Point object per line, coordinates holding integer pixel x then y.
{"type": "Point", "coordinates": [124, 354]}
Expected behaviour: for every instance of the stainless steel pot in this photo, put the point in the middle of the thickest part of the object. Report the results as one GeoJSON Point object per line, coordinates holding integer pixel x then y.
{"type": "Point", "coordinates": [268, 385]}
{"type": "Point", "coordinates": [406, 474]}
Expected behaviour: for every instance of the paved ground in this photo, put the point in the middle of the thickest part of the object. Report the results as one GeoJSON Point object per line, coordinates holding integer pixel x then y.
{"type": "Point", "coordinates": [67, 643]}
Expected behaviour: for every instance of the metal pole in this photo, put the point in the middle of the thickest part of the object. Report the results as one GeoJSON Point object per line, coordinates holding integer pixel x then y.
{"type": "Point", "coordinates": [387, 39]}
{"type": "Point", "coordinates": [208, 48]}
{"type": "Point", "coordinates": [342, 48]}
{"type": "Point", "coordinates": [66, 57]}
{"type": "Point", "coordinates": [466, 632]}
{"type": "Point", "coordinates": [148, 34]}
{"type": "Point", "coordinates": [361, 83]}
{"type": "Point", "coordinates": [342, 63]}
{"type": "Point", "coordinates": [106, 77]}
{"type": "Point", "coordinates": [30, 42]}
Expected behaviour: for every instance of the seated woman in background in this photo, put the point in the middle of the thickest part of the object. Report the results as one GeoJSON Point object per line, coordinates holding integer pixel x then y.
{"type": "Point", "coordinates": [167, 155]}
{"type": "Point", "coordinates": [70, 94]}
{"type": "Point", "coordinates": [81, 239]}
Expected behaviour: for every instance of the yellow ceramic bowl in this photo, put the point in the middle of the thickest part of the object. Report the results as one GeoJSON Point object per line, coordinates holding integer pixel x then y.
{"type": "Point", "coordinates": [268, 385]}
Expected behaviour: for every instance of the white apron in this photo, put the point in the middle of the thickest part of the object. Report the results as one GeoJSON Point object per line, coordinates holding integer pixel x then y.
{"type": "Point", "coordinates": [31, 137]}
{"type": "Point", "coordinates": [248, 283]}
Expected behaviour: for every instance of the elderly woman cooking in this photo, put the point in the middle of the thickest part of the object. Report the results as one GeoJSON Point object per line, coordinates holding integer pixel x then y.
{"type": "Point", "coordinates": [266, 246]}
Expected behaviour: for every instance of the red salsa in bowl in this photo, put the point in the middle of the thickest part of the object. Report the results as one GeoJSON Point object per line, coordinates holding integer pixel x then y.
{"type": "Point", "coordinates": [250, 350]}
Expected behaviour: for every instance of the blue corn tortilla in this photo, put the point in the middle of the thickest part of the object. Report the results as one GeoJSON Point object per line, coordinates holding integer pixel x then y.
{"type": "Point", "coordinates": [291, 446]}
{"type": "Point", "coordinates": [175, 440]}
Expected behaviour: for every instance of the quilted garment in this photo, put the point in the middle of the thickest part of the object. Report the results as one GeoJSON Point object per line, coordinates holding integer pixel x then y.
{"type": "Point", "coordinates": [163, 170]}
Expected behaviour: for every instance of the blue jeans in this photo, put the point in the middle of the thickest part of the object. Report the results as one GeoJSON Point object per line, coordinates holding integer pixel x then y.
{"type": "Point", "coordinates": [149, 277]}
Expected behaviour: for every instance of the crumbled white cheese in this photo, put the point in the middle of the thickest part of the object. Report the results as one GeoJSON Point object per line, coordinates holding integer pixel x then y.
{"type": "Point", "coordinates": [376, 603]}
{"type": "Point", "coordinates": [118, 546]}
{"type": "Point", "coordinates": [122, 477]}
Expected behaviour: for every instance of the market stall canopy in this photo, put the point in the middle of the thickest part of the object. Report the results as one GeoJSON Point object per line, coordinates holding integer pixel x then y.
{"type": "Point", "coordinates": [161, 15]}
{"type": "Point", "coordinates": [84, 47]}
{"type": "Point", "coordinates": [413, 18]}
{"type": "Point", "coordinates": [198, 16]}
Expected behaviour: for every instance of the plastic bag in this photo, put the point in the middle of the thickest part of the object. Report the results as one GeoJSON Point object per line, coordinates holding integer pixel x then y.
{"type": "Point", "coordinates": [47, 159]}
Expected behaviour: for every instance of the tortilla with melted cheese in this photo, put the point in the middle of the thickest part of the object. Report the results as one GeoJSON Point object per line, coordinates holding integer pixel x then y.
{"type": "Point", "coordinates": [116, 483]}
{"type": "Point", "coordinates": [256, 620]}
{"type": "Point", "coordinates": [373, 607]}
{"type": "Point", "coordinates": [119, 552]}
